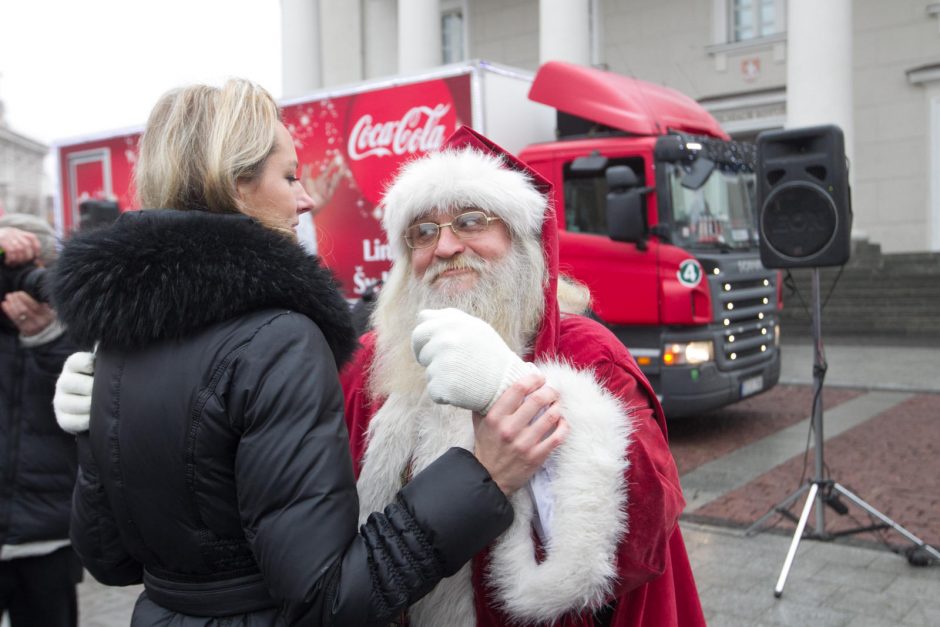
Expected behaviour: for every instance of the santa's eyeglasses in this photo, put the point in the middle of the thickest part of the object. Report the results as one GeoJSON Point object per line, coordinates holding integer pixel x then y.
{"type": "Point", "coordinates": [467, 225]}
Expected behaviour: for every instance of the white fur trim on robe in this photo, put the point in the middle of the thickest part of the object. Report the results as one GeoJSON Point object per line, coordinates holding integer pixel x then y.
{"type": "Point", "coordinates": [590, 500]}
{"type": "Point", "coordinates": [588, 488]}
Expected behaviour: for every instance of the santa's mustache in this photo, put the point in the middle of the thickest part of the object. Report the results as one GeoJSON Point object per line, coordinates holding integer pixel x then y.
{"type": "Point", "coordinates": [462, 261]}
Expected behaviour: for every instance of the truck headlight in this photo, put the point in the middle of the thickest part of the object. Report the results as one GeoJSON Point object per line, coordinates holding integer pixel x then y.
{"type": "Point", "coordinates": [688, 353]}
{"type": "Point", "coordinates": [777, 334]}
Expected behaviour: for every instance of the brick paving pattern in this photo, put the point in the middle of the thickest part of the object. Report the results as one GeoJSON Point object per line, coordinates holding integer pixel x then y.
{"type": "Point", "coordinates": [891, 462]}
{"type": "Point", "coordinates": [700, 439]}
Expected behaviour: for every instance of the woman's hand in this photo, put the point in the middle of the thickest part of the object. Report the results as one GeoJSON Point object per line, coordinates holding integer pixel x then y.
{"type": "Point", "coordinates": [516, 436]}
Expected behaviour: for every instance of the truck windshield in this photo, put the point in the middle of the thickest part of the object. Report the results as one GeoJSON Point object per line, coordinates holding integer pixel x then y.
{"type": "Point", "coordinates": [719, 214]}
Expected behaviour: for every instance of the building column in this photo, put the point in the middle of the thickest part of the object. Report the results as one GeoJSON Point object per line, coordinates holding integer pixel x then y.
{"type": "Point", "coordinates": [419, 35]}
{"type": "Point", "coordinates": [300, 47]}
{"type": "Point", "coordinates": [819, 66]}
{"type": "Point", "coordinates": [565, 31]}
{"type": "Point", "coordinates": [928, 77]}
{"type": "Point", "coordinates": [933, 173]}
{"type": "Point", "coordinates": [379, 38]}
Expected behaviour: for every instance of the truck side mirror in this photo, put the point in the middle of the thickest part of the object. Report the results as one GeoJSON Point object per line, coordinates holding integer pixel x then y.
{"type": "Point", "coordinates": [626, 215]}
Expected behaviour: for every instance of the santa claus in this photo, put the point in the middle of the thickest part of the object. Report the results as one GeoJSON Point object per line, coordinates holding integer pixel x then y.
{"type": "Point", "coordinates": [471, 304]}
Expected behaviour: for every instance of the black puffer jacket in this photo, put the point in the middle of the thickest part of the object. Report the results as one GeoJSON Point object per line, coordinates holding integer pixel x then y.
{"type": "Point", "coordinates": [37, 463]}
{"type": "Point", "coordinates": [217, 468]}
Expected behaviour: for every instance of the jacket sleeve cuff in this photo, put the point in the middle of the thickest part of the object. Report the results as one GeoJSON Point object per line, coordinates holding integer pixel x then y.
{"type": "Point", "coordinates": [52, 332]}
{"type": "Point", "coordinates": [516, 370]}
{"type": "Point", "coordinates": [459, 507]}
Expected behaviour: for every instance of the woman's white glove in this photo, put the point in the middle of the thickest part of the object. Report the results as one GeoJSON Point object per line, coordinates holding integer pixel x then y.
{"type": "Point", "coordinates": [72, 401]}
{"type": "Point", "coordinates": [467, 363]}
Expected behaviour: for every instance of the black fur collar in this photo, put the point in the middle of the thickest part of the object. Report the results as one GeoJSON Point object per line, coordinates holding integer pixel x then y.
{"type": "Point", "coordinates": [163, 274]}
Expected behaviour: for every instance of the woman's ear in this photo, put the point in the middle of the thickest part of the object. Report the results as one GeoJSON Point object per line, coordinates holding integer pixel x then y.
{"type": "Point", "coordinates": [244, 189]}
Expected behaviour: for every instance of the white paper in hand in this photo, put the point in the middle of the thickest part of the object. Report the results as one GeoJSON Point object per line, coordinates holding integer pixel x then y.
{"type": "Point", "coordinates": [539, 488]}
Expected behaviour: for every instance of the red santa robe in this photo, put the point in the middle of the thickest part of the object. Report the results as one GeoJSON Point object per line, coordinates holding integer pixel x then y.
{"type": "Point", "coordinates": [615, 539]}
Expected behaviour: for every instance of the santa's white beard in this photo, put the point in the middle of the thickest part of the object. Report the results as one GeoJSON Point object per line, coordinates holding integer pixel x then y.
{"type": "Point", "coordinates": [410, 431]}
{"type": "Point", "coordinates": [508, 294]}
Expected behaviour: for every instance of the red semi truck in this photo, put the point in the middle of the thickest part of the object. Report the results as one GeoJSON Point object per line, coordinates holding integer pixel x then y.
{"type": "Point", "coordinates": [655, 205]}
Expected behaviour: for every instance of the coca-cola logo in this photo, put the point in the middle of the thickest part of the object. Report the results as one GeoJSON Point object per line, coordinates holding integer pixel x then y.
{"type": "Point", "coordinates": [388, 127]}
{"type": "Point", "coordinates": [419, 130]}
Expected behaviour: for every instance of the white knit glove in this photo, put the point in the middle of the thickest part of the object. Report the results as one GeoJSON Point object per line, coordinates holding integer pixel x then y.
{"type": "Point", "coordinates": [468, 364]}
{"type": "Point", "coordinates": [72, 401]}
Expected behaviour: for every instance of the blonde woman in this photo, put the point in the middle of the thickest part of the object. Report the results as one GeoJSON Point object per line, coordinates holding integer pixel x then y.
{"type": "Point", "coordinates": [216, 468]}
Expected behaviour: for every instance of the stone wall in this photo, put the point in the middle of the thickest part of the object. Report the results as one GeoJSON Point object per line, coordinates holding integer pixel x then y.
{"type": "Point", "coordinates": [877, 295]}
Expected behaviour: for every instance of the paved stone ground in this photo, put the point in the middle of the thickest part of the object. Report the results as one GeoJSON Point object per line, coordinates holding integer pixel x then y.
{"type": "Point", "coordinates": [829, 585]}
{"type": "Point", "coordinates": [874, 363]}
{"type": "Point", "coordinates": [105, 606]}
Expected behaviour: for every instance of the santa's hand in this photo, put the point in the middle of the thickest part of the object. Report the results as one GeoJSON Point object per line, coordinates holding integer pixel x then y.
{"type": "Point", "coordinates": [468, 364]}
{"type": "Point", "coordinates": [72, 400]}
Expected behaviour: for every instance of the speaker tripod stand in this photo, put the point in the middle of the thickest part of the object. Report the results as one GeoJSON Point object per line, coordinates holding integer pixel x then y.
{"type": "Point", "coordinates": [821, 490]}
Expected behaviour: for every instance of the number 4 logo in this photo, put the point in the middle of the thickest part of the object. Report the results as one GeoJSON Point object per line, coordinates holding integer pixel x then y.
{"type": "Point", "coordinates": [690, 273]}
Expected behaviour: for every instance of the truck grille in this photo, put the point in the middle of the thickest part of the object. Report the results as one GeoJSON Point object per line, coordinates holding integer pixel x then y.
{"type": "Point", "coordinates": [746, 313]}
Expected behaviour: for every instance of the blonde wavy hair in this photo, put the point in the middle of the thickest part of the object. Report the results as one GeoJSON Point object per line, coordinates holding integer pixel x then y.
{"type": "Point", "coordinates": [200, 141]}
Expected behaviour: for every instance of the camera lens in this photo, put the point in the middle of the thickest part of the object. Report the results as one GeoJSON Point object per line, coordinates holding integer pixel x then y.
{"type": "Point", "coordinates": [29, 279]}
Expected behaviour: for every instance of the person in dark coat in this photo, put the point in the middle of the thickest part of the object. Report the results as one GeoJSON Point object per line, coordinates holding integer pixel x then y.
{"type": "Point", "coordinates": [38, 569]}
{"type": "Point", "coordinates": [216, 468]}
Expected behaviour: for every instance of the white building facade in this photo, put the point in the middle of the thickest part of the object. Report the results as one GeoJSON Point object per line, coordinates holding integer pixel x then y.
{"type": "Point", "coordinates": [21, 172]}
{"type": "Point", "coordinates": [870, 66]}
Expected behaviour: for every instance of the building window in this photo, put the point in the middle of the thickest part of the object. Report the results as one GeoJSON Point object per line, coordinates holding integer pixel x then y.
{"type": "Point", "coordinates": [751, 19]}
{"type": "Point", "coordinates": [452, 49]}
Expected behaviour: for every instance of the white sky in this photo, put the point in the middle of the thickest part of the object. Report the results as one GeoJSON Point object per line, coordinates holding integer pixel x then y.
{"type": "Point", "coordinates": [76, 67]}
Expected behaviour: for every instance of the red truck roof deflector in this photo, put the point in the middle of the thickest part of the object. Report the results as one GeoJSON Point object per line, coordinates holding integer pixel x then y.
{"type": "Point", "coordinates": [618, 101]}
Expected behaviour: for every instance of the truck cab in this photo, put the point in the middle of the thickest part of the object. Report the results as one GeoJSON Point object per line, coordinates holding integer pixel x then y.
{"type": "Point", "coordinates": [656, 215]}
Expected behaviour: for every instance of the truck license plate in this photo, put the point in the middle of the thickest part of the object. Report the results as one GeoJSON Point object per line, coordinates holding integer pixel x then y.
{"type": "Point", "coordinates": [752, 385]}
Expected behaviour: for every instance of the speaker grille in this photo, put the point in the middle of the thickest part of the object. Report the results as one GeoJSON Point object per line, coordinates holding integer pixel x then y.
{"type": "Point", "coordinates": [799, 220]}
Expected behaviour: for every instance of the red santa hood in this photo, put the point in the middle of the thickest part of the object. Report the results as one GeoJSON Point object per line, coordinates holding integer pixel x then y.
{"type": "Point", "coordinates": [472, 170]}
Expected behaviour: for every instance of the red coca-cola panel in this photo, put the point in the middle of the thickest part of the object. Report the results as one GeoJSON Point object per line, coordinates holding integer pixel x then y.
{"type": "Point", "coordinates": [350, 148]}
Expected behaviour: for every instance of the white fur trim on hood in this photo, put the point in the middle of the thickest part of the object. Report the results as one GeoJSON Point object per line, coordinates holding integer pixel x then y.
{"type": "Point", "coordinates": [464, 178]}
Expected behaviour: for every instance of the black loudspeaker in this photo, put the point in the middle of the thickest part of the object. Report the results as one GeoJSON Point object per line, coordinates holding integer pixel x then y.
{"type": "Point", "coordinates": [803, 198]}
